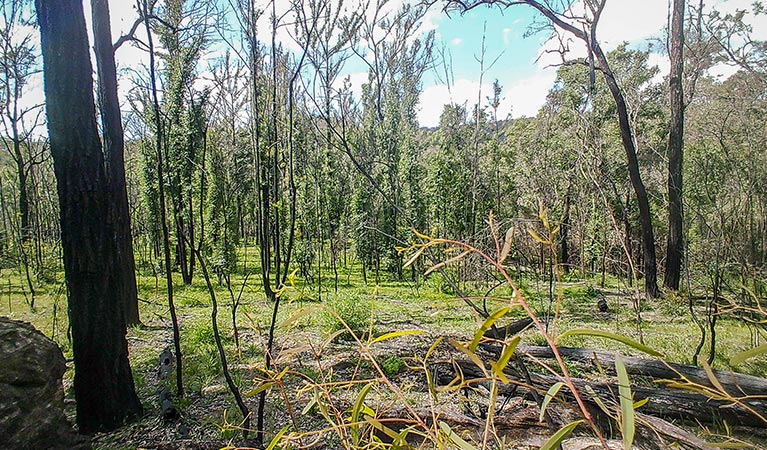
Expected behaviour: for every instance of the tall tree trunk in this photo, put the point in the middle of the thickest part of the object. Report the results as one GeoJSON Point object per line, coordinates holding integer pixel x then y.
{"type": "Point", "coordinates": [114, 146]}
{"type": "Point", "coordinates": [159, 136]}
{"type": "Point", "coordinates": [565, 233]}
{"type": "Point", "coordinates": [675, 151]}
{"type": "Point", "coordinates": [21, 169]}
{"type": "Point", "coordinates": [629, 145]}
{"type": "Point", "coordinates": [103, 383]}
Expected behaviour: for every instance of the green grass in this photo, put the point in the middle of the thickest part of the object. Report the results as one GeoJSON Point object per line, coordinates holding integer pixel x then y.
{"type": "Point", "coordinates": [391, 305]}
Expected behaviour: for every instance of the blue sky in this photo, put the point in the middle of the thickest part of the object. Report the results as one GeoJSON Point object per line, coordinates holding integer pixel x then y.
{"type": "Point", "coordinates": [525, 77]}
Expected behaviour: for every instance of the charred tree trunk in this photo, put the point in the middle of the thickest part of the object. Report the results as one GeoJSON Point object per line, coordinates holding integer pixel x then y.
{"type": "Point", "coordinates": [629, 145]}
{"type": "Point", "coordinates": [159, 136]}
{"type": "Point", "coordinates": [103, 383]}
{"type": "Point", "coordinates": [564, 259]}
{"type": "Point", "coordinates": [21, 169]}
{"type": "Point", "coordinates": [114, 146]}
{"type": "Point", "coordinates": [675, 151]}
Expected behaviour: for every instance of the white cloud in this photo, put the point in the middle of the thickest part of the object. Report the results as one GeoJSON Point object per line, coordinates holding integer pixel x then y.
{"type": "Point", "coordinates": [434, 98]}
{"type": "Point", "coordinates": [723, 71]}
{"type": "Point", "coordinates": [456, 41]}
{"type": "Point", "coordinates": [631, 21]}
{"type": "Point", "coordinates": [664, 65]}
{"type": "Point", "coordinates": [506, 36]}
{"type": "Point", "coordinates": [521, 98]}
{"type": "Point", "coordinates": [526, 96]}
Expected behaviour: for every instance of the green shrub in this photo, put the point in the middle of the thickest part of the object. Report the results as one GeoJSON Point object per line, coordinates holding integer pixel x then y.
{"type": "Point", "coordinates": [352, 311]}
{"type": "Point", "coordinates": [393, 365]}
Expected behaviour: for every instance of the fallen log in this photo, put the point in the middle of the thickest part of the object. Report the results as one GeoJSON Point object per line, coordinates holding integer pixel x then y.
{"type": "Point", "coordinates": [736, 384]}
{"type": "Point", "coordinates": [663, 402]}
{"type": "Point", "coordinates": [655, 432]}
{"type": "Point", "coordinates": [509, 330]}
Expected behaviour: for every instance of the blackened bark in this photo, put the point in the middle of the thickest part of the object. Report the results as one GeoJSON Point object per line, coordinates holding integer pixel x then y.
{"type": "Point", "coordinates": [565, 234]}
{"type": "Point", "coordinates": [629, 145]}
{"type": "Point", "coordinates": [21, 170]}
{"type": "Point", "coordinates": [114, 145]}
{"type": "Point", "coordinates": [674, 244]}
{"type": "Point", "coordinates": [627, 134]}
{"type": "Point", "coordinates": [103, 383]}
{"type": "Point", "coordinates": [161, 191]}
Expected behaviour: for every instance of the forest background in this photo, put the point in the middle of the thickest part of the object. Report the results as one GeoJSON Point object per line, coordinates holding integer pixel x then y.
{"type": "Point", "coordinates": [254, 146]}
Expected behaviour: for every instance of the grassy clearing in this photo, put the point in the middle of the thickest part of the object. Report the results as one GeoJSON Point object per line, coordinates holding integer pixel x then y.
{"type": "Point", "coordinates": [369, 310]}
{"type": "Point", "coordinates": [386, 307]}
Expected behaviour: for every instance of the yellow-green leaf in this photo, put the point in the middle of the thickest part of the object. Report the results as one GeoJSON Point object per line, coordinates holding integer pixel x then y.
{"type": "Point", "coordinates": [506, 246]}
{"type": "Point", "coordinates": [444, 263]}
{"type": "Point", "coordinates": [473, 356]}
{"type": "Point", "coordinates": [712, 378]}
{"type": "Point", "coordinates": [503, 361]}
{"type": "Point", "coordinates": [608, 335]}
{"type": "Point", "coordinates": [627, 403]}
{"type": "Point", "coordinates": [640, 403]}
{"type": "Point", "coordinates": [740, 357]}
{"type": "Point", "coordinates": [386, 430]}
{"type": "Point", "coordinates": [560, 435]}
{"type": "Point", "coordinates": [357, 409]}
{"type": "Point", "coordinates": [537, 237]}
{"type": "Point", "coordinates": [309, 406]}
{"type": "Point", "coordinates": [486, 326]}
{"type": "Point", "coordinates": [550, 394]}
{"type": "Point", "coordinates": [300, 314]}
{"type": "Point", "coordinates": [395, 334]}
{"type": "Point", "coordinates": [261, 388]}
{"type": "Point", "coordinates": [453, 436]}
{"type": "Point", "coordinates": [277, 437]}
{"type": "Point", "coordinates": [414, 258]}
{"type": "Point", "coordinates": [292, 278]}
{"type": "Point", "coordinates": [421, 235]}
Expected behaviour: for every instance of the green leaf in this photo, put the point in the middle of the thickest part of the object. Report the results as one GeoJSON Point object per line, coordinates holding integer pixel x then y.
{"type": "Point", "coordinates": [740, 357]}
{"type": "Point", "coordinates": [359, 409]}
{"type": "Point", "coordinates": [395, 334]}
{"type": "Point", "coordinates": [595, 398]}
{"type": "Point", "coordinates": [473, 356]}
{"type": "Point", "coordinates": [261, 388]}
{"type": "Point", "coordinates": [503, 361]}
{"type": "Point", "coordinates": [560, 435]}
{"type": "Point", "coordinates": [615, 337]}
{"type": "Point", "coordinates": [453, 436]}
{"type": "Point", "coordinates": [550, 394]}
{"type": "Point", "coordinates": [486, 326]}
{"type": "Point", "coordinates": [626, 402]}
{"type": "Point", "coordinates": [277, 437]}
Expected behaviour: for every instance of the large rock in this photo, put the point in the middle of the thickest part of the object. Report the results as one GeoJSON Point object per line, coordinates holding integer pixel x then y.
{"type": "Point", "coordinates": [31, 392]}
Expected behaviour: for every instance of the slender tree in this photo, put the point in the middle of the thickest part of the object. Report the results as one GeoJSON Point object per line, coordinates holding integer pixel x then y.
{"type": "Point", "coordinates": [159, 135]}
{"type": "Point", "coordinates": [114, 145]}
{"type": "Point", "coordinates": [675, 150]}
{"type": "Point", "coordinates": [103, 383]}
{"type": "Point", "coordinates": [584, 28]}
